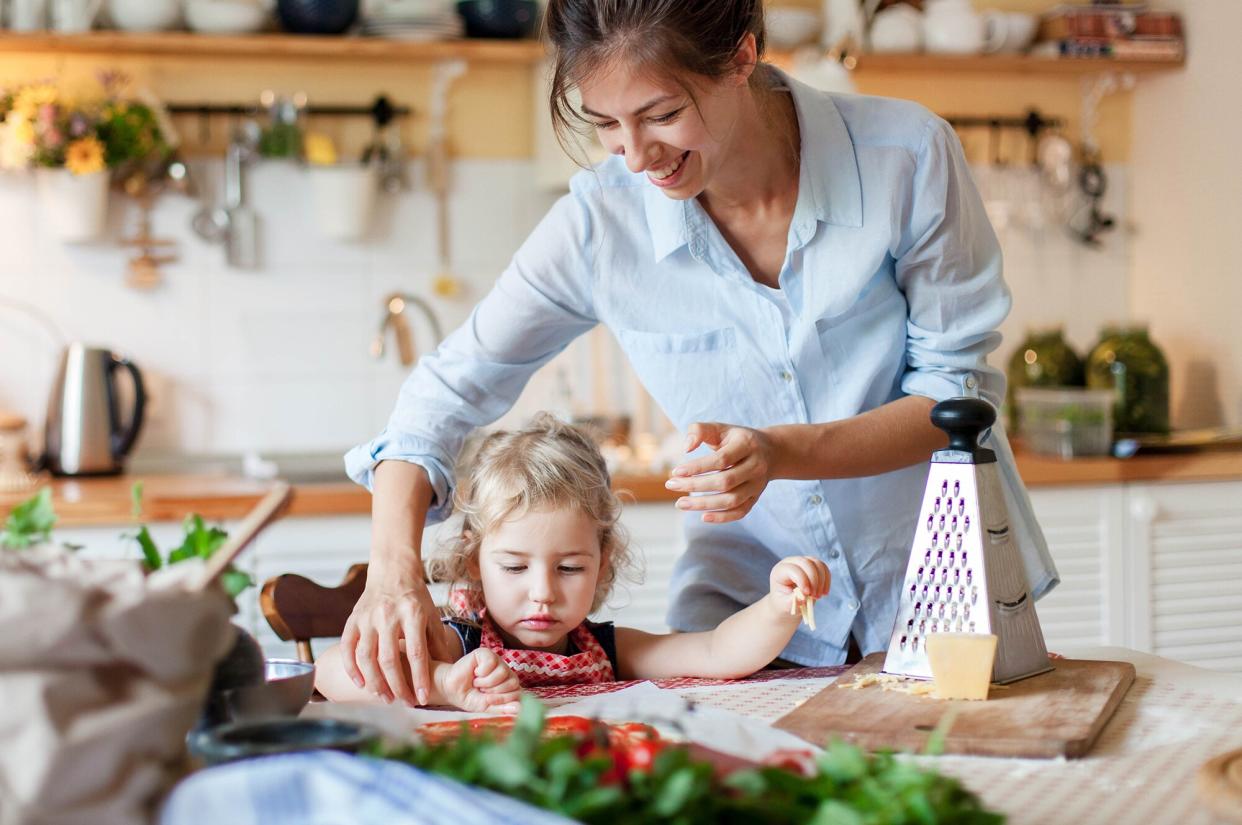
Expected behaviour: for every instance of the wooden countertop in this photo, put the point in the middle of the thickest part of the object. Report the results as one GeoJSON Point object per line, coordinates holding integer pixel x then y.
{"type": "Point", "coordinates": [103, 501]}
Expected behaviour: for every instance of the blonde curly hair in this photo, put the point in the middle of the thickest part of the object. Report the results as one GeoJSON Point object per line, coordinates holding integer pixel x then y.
{"type": "Point", "coordinates": [547, 464]}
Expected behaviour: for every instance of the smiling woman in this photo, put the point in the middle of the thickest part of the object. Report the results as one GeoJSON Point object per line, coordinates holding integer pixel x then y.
{"type": "Point", "coordinates": [796, 276]}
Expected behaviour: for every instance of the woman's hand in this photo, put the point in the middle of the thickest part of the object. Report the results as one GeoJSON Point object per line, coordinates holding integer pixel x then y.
{"type": "Point", "coordinates": [480, 682]}
{"type": "Point", "coordinates": [735, 474]}
{"type": "Point", "coordinates": [809, 576]}
{"type": "Point", "coordinates": [396, 615]}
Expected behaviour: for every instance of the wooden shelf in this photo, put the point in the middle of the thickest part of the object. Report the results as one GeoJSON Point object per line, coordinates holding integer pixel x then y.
{"type": "Point", "coordinates": [1006, 64]}
{"type": "Point", "coordinates": [292, 47]}
{"type": "Point", "coordinates": [273, 46]}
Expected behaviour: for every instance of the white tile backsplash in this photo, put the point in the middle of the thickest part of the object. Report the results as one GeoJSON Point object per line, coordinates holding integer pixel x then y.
{"type": "Point", "coordinates": [277, 359]}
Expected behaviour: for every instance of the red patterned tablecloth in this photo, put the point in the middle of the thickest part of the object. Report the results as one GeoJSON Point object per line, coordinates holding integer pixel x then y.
{"type": "Point", "coordinates": [684, 682]}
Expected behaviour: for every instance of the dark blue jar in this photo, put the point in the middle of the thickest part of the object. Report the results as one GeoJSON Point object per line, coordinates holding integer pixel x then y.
{"type": "Point", "coordinates": [316, 16]}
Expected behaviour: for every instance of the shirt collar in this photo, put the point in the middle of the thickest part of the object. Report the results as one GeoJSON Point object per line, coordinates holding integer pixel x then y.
{"type": "Point", "coordinates": [829, 184]}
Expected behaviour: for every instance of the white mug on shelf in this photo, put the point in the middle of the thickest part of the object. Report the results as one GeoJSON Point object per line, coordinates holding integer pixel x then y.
{"type": "Point", "coordinates": [74, 16]}
{"type": "Point", "coordinates": [27, 15]}
{"type": "Point", "coordinates": [1008, 32]}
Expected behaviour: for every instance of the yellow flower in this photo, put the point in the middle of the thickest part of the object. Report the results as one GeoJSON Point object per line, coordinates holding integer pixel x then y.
{"type": "Point", "coordinates": [23, 131]}
{"type": "Point", "coordinates": [84, 156]}
{"type": "Point", "coordinates": [27, 101]}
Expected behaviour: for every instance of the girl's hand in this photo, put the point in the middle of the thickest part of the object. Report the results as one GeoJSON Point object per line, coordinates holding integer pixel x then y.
{"type": "Point", "coordinates": [809, 576]}
{"type": "Point", "coordinates": [736, 474]}
{"type": "Point", "coordinates": [480, 682]}
{"type": "Point", "coordinates": [395, 616]}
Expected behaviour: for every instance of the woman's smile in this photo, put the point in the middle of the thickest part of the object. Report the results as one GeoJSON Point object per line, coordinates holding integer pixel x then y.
{"type": "Point", "coordinates": [670, 174]}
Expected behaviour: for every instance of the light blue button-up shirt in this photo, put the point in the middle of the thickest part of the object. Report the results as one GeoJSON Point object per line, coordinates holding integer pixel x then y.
{"type": "Point", "coordinates": [891, 286]}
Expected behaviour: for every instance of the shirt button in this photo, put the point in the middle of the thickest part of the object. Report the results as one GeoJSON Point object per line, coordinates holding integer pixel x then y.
{"type": "Point", "coordinates": [817, 499]}
{"type": "Point", "coordinates": [834, 554]}
{"type": "Point", "coordinates": [971, 383]}
{"type": "Point", "coordinates": [786, 375]}
{"type": "Point", "coordinates": [853, 605]}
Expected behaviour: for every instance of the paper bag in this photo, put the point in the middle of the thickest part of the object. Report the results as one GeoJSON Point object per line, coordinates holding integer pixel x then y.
{"type": "Point", "coordinates": [103, 670]}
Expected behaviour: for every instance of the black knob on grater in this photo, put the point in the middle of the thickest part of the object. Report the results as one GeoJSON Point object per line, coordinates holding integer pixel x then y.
{"type": "Point", "coordinates": [963, 420]}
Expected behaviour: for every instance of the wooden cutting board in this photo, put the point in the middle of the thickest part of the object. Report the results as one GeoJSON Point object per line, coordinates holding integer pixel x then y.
{"type": "Point", "coordinates": [1059, 713]}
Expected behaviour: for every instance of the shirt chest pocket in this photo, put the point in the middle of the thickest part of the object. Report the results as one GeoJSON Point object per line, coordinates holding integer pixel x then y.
{"type": "Point", "coordinates": [692, 376]}
{"type": "Point", "coordinates": [867, 341]}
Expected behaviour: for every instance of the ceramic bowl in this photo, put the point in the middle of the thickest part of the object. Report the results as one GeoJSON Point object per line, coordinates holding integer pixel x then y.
{"type": "Point", "coordinates": [509, 19]}
{"type": "Point", "coordinates": [316, 16]}
{"type": "Point", "coordinates": [225, 16]}
{"type": "Point", "coordinates": [788, 28]}
{"type": "Point", "coordinates": [286, 689]}
{"type": "Point", "coordinates": [267, 737]}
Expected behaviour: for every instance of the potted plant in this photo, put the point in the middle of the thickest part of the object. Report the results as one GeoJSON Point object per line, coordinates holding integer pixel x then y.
{"type": "Point", "coordinates": [74, 146]}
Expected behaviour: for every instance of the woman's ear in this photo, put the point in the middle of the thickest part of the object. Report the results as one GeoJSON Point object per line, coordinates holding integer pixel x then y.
{"type": "Point", "coordinates": [745, 59]}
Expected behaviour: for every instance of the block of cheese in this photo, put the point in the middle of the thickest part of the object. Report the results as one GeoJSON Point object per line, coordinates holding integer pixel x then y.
{"type": "Point", "coordinates": [961, 664]}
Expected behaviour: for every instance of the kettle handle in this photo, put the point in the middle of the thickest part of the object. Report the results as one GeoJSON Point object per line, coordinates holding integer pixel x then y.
{"type": "Point", "coordinates": [122, 442]}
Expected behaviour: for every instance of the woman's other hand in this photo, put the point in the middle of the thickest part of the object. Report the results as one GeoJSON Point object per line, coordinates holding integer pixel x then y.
{"type": "Point", "coordinates": [733, 476]}
{"type": "Point", "coordinates": [396, 615]}
{"type": "Point", "coordinates": [480, 682]}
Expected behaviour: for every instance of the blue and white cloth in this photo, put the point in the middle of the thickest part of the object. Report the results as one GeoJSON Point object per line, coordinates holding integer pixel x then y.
{"type": "Point", "coordinates": [330, 788]}
{"type": "Point", "coordinates": [891, 286]}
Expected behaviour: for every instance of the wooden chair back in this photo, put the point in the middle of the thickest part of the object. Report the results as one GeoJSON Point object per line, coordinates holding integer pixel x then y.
{"type": "Point", "coordinates": [299, 609]}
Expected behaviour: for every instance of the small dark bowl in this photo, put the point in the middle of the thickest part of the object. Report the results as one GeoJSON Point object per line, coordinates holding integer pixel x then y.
{"type": "Point", "coordinates": [246, 740]}
{"type": "Point", "coordinates": [509, 19]}
{"type": "Point", "coordinates": [316, 16]}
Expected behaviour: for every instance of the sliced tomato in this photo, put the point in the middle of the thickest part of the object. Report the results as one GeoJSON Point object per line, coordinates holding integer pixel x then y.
{"type": "Point", "coordinates": [641, 755]}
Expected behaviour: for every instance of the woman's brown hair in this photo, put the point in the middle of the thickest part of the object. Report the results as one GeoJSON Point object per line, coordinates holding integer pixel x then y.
{"type": "Point", "coordinates": [679, 37]}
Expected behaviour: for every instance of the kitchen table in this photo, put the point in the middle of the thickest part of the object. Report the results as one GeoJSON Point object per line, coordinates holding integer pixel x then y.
{"type": "Point", "coordinates": [1143, 767]}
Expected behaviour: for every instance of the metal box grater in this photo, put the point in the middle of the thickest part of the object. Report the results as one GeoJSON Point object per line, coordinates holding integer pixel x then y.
{"type": "Point", "coordinates": [965, 573]}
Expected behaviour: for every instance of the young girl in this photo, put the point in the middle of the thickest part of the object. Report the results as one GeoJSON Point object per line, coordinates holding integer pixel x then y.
{"type": "Point", "coordinates": [539, 550]}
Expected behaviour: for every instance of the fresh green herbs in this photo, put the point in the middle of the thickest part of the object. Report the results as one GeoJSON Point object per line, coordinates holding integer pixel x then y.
{"type": "Point", "coordinates": [30, 522]}
{"type": "Point", "coordinates": [577, 776]}
{"type": "Point", "coordinates": [200, 541]}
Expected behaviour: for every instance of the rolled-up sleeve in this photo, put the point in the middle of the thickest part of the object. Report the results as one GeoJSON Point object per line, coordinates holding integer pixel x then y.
{"type": "Point", "coordinates": [541, 302]}
{"type": "Point", "coordinates": [948, 264]}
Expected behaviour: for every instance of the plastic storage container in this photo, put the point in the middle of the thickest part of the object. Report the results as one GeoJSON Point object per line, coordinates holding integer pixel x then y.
{"type": "Point", "coordinates": [1066, 421]}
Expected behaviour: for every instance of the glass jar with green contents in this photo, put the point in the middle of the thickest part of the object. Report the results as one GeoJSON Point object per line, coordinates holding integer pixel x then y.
{"type": "Point", "coordinates": [1129, 363]}
{"type": "Point", "coordinates": [1043, 359]}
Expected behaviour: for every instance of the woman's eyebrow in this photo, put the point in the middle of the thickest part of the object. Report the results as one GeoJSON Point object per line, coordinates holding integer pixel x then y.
{"type": "Point", "coordinates": [638, 111]}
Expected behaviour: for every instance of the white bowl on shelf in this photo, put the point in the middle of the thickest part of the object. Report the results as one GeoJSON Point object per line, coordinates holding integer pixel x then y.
{"type": "Point", "coordinates": [788, 28]}
{"type": "Point", "coordinates": [225, 16]}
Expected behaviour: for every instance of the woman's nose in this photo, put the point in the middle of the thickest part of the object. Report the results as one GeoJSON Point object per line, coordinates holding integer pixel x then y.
{"type": "Point", "coordinates": [637, 153]}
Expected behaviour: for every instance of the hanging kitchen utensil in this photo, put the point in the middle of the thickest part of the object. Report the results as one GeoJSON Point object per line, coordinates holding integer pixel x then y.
{"type": "Point", "coordinates": [965, 573]}
{"type": "Point", "coordinates": [242, 236]}
{"type": "Point", "coordinates": [1093, 183]}
{"type": "Point", "coordinates": [446, 285]}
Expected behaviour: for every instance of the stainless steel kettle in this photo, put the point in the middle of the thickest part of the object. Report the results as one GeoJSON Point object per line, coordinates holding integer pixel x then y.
{"type": "Point", "coordinates": [84, 435]}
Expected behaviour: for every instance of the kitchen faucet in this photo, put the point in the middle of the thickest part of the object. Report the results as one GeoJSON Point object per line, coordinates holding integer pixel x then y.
{"type": "Point", "coordinates": [394, 316]}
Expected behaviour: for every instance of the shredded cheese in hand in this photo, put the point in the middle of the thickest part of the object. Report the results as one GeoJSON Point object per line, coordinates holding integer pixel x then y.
{"type": "Point", "coordinates": [808, 614]}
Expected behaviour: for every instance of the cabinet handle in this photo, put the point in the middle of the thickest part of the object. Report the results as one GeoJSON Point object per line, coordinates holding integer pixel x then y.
{"type": "Point", "coordinates": [1144, 508]}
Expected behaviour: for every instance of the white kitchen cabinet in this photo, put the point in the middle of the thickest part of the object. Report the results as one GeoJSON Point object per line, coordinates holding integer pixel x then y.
{"type": "Point", "coordinates": [1084, 528]}
{"type": "Point", "coordinates": [1184, 543]}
